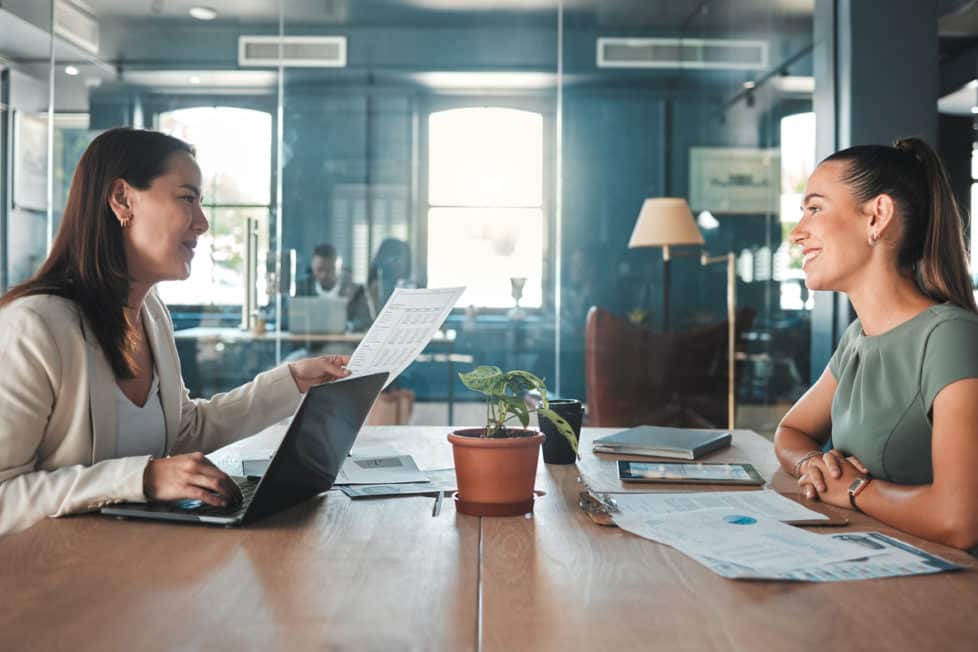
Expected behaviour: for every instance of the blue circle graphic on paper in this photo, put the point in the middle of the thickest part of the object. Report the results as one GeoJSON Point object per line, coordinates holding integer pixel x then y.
{"type": "Point", "coordinates": [737, 519]}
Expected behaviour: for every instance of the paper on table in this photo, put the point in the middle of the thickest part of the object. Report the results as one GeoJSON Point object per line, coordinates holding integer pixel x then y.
{"type": "Point", "coordinates": [894, 559]}
{"type": "Point", "coordinates": [374, 451]}
{"type": "Point", "coordinates": [231, 460]}
{"type": "Point", "coordinates": [742, 538]}
{"type": "Point", "coordinates": [382, 458]}
{"type": "Point", "coordinates": [439, 480]}
{"type": "Point", "coordinates": [769, 504]}
{"type": "Point", "coordinates": [380, 470]}
{"type": "Point", "coordinates": [402, 329]}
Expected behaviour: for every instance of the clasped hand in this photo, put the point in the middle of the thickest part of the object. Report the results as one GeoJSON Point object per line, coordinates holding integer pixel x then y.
{"type": "Point", "coordinates": [827, 477]}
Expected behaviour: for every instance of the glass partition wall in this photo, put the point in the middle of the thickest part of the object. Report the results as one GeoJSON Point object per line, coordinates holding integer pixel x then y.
{"type": "Point", "coordinates": [702, 102]}
{"type": "Point", "coordinates": [350, 148]}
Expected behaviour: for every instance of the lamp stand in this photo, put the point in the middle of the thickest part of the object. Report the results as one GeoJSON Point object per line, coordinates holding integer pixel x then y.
{"type": "Point", "coordinates": [666, 258]}
{"type": "Point", "coordinates": [731, 261]}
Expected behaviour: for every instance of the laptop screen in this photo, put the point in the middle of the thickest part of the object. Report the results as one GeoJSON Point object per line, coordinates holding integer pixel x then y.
{"type": "Point", "coordinates": [317, 443]}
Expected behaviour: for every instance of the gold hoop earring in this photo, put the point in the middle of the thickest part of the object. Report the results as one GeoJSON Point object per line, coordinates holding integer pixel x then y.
{"type": "Point", "coordinates": [125, 220]}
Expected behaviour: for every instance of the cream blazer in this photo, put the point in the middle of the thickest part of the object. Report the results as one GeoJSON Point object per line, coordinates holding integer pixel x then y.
{"type": "Point", "coordinates": [58, 414]}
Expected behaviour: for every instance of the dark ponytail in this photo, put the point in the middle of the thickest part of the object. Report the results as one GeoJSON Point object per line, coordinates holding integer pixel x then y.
{"type": "Point", "coordinates": [933, 243]}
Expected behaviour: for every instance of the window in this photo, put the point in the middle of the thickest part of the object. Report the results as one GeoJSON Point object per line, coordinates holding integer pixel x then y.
{"type": "Point", "coordinates": [797, 163]}
{"type": "Point", "coordinates": [485, 196]}
{"type": "Point", "coordinates": [234, 151]}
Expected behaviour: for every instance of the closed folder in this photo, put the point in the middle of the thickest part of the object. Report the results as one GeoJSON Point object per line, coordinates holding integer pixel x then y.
{"type": "Point", "coordinates": [660, 441]}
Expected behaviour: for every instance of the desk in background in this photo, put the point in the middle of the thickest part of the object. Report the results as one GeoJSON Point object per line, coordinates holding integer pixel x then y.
{"type": "Point", "coordinates": [382, 574]}
{"type": "Point", "coordinates": [209, 343]}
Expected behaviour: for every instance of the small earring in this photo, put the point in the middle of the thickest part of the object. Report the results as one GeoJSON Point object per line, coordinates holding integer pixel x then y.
{"type": "Point", "coordinates": [125, 219]}
{"type": "Point", "coordinates": [873, 237]}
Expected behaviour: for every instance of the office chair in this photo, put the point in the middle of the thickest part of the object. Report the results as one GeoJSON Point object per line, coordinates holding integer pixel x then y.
{"type": "Point", "coordinates": [637, 376]}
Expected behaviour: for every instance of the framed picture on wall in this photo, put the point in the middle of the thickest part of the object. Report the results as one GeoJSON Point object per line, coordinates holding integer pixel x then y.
{"type": "Point", "coordinates": [30, 168]}
{"type": "Point", "coordinates": [734, 180]}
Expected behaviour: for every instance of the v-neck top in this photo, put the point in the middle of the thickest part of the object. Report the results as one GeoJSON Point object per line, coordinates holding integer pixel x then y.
{"type": "Point", "coordinates": [881, 411]}
{"type": "Point", "coordinates": [140, 430]}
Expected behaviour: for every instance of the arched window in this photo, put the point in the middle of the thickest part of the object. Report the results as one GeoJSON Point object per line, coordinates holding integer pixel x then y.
{"type": "Point", "coordinates": [485, 204]}
{"type": "Point", "coordinates": [234, 151]}
{"type": "Point", "coordinates": [797, 163]}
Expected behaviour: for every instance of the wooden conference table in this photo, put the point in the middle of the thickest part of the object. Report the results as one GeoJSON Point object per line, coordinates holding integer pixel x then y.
{"type": "Point", "coordinates": [383, 574]}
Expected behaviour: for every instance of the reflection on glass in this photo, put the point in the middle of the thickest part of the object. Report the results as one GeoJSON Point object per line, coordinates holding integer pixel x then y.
{"type": "Point", "coordinates": [441, 131]}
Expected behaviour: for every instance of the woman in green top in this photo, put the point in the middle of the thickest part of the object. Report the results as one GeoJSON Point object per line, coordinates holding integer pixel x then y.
{"type": "Point", "coordinates": [899, 399]}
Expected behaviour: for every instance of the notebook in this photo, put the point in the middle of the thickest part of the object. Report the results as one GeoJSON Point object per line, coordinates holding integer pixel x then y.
{"type": "Point", "coordinates": [660, 441]}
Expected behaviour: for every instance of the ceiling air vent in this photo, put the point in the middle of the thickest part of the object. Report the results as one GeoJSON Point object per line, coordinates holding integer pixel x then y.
{"type": "Point", "coordinates": [297, 51]}
{"type": "Point", "coordinates": [681, 53]}
{"type": "Point", "coordinates": [76, 25]}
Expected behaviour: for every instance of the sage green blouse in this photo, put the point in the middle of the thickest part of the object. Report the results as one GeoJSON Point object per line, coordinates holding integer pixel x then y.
{"type": "Point", "coordinates": [881, 412]}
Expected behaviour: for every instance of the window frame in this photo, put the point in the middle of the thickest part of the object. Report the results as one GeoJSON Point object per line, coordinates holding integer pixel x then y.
{"type": "Point", "coordinates": [541, 102]}
{"type": "Point", "coordinates": [169, 104]}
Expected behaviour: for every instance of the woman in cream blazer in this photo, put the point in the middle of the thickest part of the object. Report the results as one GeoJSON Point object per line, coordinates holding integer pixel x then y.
{"type": "Point", "coordinates": [63, 367]}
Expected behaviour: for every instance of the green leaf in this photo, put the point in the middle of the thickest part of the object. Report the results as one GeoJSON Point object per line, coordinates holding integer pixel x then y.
{"type": "Point", "coordinates": [530, 381]}
{"type": "Point", "coordinates": [482, 379]}
{"type": "Point", "coordinates": [562, 426]}
{"type": "Point", "coordinates": [518, 408]}
{"type": "Point", "coordinates": [507, 393]}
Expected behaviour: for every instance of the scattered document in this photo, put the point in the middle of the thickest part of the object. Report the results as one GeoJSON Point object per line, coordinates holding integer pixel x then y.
{"type": "Point", "coordinates": [402, 330]}
{"type": "Point", "coordinates": [439, 480]}
{"type": "Point", "coordinates": [742, 538]}
{"type": "Point", "coordinates": [765, 503]}
{"type": "Point", "coordinates": [893, 558]}
{"type": "Point", "coordinates": [232, 462]}
{"type": "Point", "coordinates": [387, 469]}
{"type": "Point", "coordinates": [374, 451]}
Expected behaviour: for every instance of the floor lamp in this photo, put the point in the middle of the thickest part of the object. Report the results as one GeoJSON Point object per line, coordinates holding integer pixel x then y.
{"type": "Point", "coordinates": [665, 222]}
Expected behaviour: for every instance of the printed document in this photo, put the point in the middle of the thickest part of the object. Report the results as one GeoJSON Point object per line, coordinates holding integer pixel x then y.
{"type": "Point", "coordinates": [742, 538]}
{"type": "Point", "coordinates": [402, 330]}
{"type": "Point", "coordinates": [769, 504]}
{"type": "Point", "coordinates": [439, 480]}
{"type": "Point", "coordinates": [893, 558]}
{"type": "Point", "coordinates": [386, 469]}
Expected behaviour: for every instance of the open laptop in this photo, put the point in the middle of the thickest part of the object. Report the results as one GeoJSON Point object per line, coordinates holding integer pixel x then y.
{"type": "Point", "coordinates": [305, 464]}
{"type": "Point", "coordinates": [317, 315]}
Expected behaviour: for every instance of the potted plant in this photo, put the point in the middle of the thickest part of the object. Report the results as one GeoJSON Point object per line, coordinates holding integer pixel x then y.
{"type": "Point", "coordinates": [495, 466]}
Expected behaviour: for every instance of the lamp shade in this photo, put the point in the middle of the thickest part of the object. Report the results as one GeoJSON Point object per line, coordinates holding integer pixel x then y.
{"type": "Point", "coordinates": [665, 221]}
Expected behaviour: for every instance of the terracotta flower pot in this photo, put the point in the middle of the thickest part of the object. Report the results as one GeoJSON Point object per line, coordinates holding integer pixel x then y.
{"type": "Point", "coordinates": [495, 476]}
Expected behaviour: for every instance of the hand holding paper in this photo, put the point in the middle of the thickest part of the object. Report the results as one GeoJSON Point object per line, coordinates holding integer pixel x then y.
{"type": "Point", "coordinates": [402, 330]}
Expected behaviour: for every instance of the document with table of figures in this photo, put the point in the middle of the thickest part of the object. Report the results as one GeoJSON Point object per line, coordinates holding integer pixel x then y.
{"type": "Point", "coordinates": [402, 330]}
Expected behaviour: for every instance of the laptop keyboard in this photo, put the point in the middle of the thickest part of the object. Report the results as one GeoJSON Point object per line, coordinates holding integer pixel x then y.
{"type": "Point", "coordinates": [247, 488]}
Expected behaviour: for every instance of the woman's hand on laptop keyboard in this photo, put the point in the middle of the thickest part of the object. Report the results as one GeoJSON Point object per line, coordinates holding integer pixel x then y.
{"type": "Point", "coordinates": [316, 371]}
{"type": "Point", "coordinates": [189, 476]}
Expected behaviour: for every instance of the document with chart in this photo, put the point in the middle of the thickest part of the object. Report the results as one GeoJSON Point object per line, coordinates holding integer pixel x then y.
{"type": "Point", "coordinates": [402, 330]}
{"type": "Point", "coordinates": [890, 558]}
{"type": "Point", "coordinates": [741, 545]}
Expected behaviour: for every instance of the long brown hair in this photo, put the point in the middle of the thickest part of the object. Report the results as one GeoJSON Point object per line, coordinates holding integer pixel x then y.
{"type": "Point", "coordinates": [87, 262]}
{"type": "Point", "coordinates": [933, 245]}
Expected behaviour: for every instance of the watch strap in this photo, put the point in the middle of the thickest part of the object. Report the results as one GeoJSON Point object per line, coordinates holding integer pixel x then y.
{"type": "Point", "coordinates": [855, 489]}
